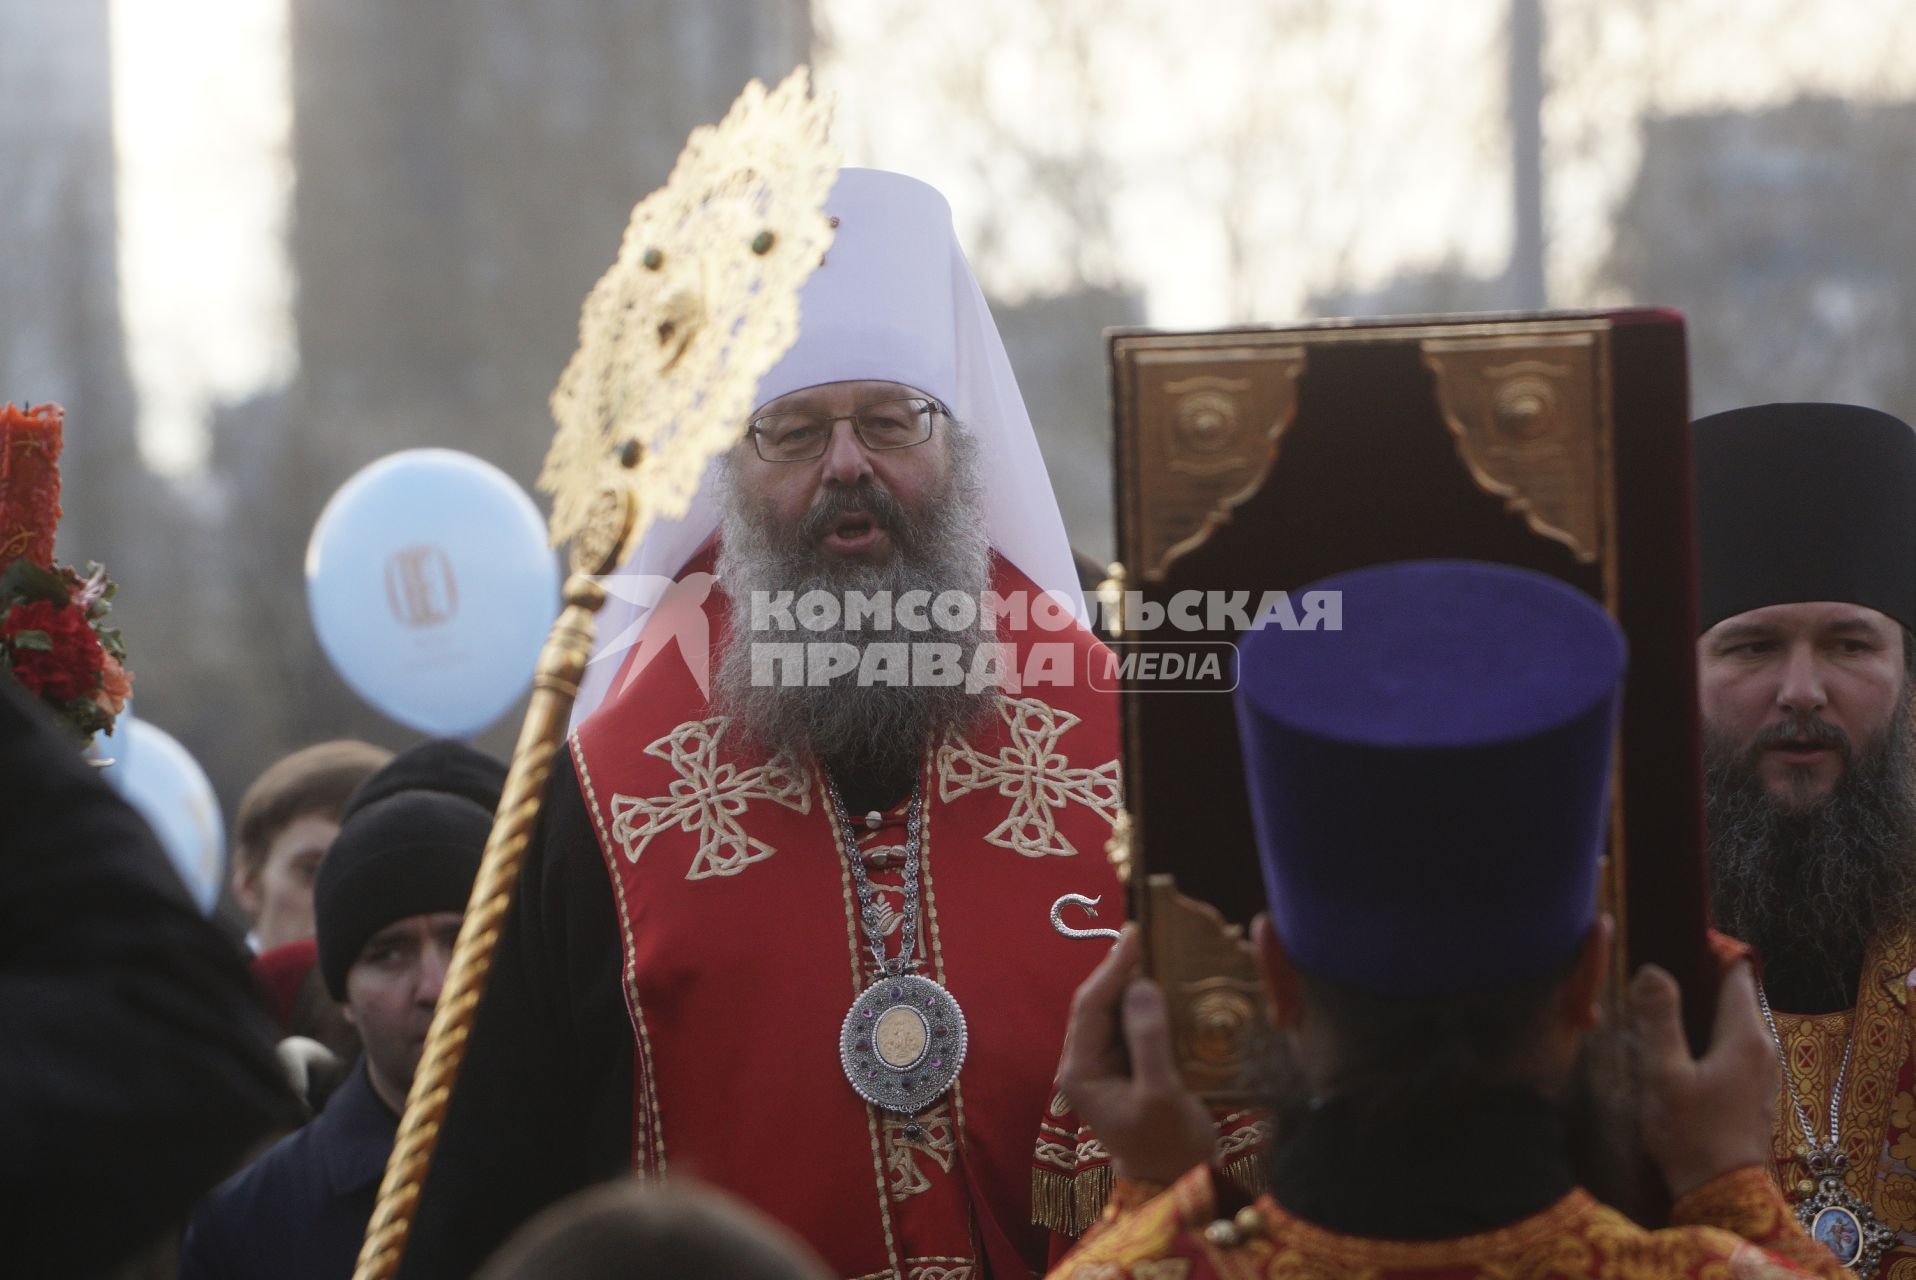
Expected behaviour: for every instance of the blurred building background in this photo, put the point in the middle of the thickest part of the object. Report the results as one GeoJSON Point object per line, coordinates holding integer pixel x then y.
{"type": "Point", "coordinates": [376, 231]}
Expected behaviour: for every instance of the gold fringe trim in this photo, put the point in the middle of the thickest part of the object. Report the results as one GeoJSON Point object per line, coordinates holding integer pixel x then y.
{"type": "Point", "coordinates": [1051, 1200]}
{"type": "Point", "coordinates": [1251, 1174]}
{"type": "Point", "coordinates": [1069, 1203]}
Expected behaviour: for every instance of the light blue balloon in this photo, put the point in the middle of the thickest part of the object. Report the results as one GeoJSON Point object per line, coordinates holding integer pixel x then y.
{"type": "Point", "coordinates": [161, 779]}
{"type": "Point", "coordinates": [432, 588]}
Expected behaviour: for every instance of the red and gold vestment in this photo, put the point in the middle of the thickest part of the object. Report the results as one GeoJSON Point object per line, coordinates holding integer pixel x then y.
{"type": "Point", "coordinates": [1733, 1228]}
{"type": "Point", "coordinates": [743, 952]}
{"type": "Point", "coordinates": [1877, 1119]}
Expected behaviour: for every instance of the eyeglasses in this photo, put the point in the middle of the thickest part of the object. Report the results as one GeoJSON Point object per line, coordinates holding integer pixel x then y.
{"type": "Point", "coordinates": [800, 437]}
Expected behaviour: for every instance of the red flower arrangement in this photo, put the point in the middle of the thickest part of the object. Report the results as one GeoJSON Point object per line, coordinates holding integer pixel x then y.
{"type": "Point", "coordinates": [53, 650]}
{"type": "Point", "coordinates": [53, 637]}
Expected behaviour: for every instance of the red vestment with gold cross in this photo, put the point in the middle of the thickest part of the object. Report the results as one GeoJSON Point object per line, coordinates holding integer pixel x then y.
{"type": "Point", "coordinates": [743, 952]}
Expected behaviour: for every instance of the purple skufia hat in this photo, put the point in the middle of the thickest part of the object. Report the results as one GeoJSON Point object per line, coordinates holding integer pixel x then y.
{"type": "Point", "coordinates": [1429, 783]}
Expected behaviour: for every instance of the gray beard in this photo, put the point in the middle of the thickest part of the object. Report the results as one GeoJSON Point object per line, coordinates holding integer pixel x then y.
{"type": "Point", "coordinates": [875, 733]}
{"type": "Point", "coordinates": [1811, 886]}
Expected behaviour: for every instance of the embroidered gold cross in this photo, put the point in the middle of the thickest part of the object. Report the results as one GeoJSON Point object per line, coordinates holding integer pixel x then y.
{"type": "Point", "coordinates": [1033, 774]}
{"type": "Point", "coordinates": [707, 800]}
{"type": "Point", "coordinates": [906, 1137]}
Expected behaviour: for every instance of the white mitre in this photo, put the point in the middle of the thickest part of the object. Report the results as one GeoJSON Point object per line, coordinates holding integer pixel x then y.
{"type": "Point", "coordinates": [895, 301]}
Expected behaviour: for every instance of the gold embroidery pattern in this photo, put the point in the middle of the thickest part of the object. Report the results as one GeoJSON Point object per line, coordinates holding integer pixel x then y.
{"type": "Point", "coordinates": [1059, 1155]}
{"type": "Point", "coordinates": [1163, 1269]}
{"type": "Point", "coordinates": [901, 1153]}
{"type": "Point", "coordinates": [1090, 1149]}
{"type": "Point", "coordinates": [648, 1137]}
{"type": "Point", "coordinates": [927, 1269]}
{"type": "Point", "coordinates": [1902, 1123]}
{"type": "Point", "coordinates": [707, 799]}
{"type": "Point", "coordinates": [1896, 1202]}
{"type": "Point", "coordinates": [1033, 774]}
{"type": "Point", "coordinates": [1813, 1046]}
{"type": "Point", "coordinates": [1235, 1139]}
{"type": "Point", "coordinates": [1057, 1142]}
{"type": "Point", "coordinates": [1057, 1148]}
{"type": "Point", "coordinates": [1576, 1237]}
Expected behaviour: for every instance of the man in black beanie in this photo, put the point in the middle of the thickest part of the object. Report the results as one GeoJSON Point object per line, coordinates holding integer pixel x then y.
{"type": "Point", "coordinates": [1806, 519]}
{"type": "Point", "coordinates": [387, 904]}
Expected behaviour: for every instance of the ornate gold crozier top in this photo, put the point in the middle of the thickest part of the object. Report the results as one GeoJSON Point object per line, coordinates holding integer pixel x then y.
{"type": "Point", "coordinates": [701, 302]}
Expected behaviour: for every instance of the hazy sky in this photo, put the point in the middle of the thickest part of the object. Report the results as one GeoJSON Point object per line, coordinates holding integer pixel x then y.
{"type": "Point", "coordinates": [202, 119]}
{"type": "Point", "coordinates": [1223, 157]}
{"type": "Point", "coordinates": [1295, 115]}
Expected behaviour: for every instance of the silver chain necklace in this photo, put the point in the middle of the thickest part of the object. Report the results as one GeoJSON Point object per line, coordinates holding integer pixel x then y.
{"type": "Point", "coordinates": [870, 914]}
{"type": "Point", "coordinates": [904, 1038]}
{"type": "Point", "coordinates": [1832, 1215]}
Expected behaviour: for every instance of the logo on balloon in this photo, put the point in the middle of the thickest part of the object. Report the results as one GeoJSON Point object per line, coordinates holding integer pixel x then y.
{"type": "Point", "coordinates": [432, 588]}
{"type": "Point", "coordinates": [420, 586]}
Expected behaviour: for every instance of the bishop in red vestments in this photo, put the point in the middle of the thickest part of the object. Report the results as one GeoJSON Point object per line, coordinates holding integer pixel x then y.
{"type": "Point", "coordinates": [786, 929]}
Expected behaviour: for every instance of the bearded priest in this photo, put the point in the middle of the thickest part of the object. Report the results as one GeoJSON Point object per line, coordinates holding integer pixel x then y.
{"type": "Point", "coordinates": [785, 927]}
{"type": "Point", "coordinates": [1807, 539]}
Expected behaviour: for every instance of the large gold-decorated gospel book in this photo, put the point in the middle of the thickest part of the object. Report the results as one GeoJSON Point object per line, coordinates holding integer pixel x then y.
{"type": "Point", "coordinates": [1264, 459]}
